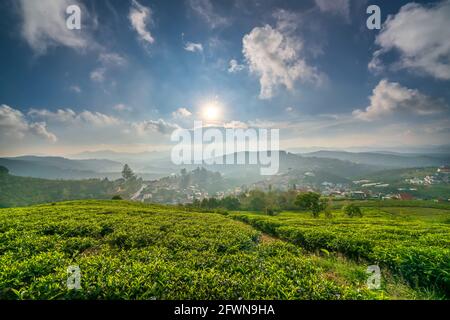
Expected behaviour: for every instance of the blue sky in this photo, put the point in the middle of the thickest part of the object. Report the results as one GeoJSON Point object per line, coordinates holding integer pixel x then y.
{"type": "Point", "coordinates": [139, 69]}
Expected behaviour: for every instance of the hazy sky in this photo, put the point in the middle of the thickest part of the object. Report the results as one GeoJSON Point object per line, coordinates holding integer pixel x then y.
{"type": "Point", "coordinates": [139, 69]}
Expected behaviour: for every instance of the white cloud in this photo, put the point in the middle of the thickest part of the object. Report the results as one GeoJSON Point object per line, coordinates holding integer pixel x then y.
{"type": "Point", "coordinates": [152, 126]}
{"type": "Point", "coordinates": [61, 115]}
{"type": "Point", "coordinates": [234, 66]}
{"type": "Point", "coordinates": [108, 60]}
{"type": "Point", "coordinates": [205, 10]}
{"type": "Point", "coordinates": [193, 47]}
{"type": "Point", "coordinates": [421, 36]}
{"type": "Point", "coordinates": [111, 58]}
{"type": "Point", "coordinates": [338, 7]}
{"type": "Point", "coordinates": [181, 113]}
{"type": "Point", "coordinates": [140, 18]}
{"type": "Point", "coordinates": [75, 89]}
{"type": "Point", "coordinates": [235, 124]}
{"type": "Point", "coordinates": [93, 120]}
{"type": "Point", "coordinates": [274, 55]}
{"type": "Point", "coordinates": [98, 75]}
{"type": "Point", "coordinates": [40, 129]}
{"type": "Point", "coordinates": [44, 25]}
{"type": "Point", "coordinates": [14, 125]}
{"type": "Point", "coordinates": [390, 98]}
{"type": "Point", "coordinates": [98, 118]}
{"type": "Point", "coordinates": [122, 107]}
{"type": "Point", "coordinates": [12, 121]}
{"type": "Point", "coordinates": [69, 116]}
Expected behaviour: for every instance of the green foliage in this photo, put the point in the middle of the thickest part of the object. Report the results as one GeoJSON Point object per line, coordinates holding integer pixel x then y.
{"type": "Point", "coordinates": [311, 201]}
{"type": "Point", "coordinates": [20, 191]}
{"type": "Point", "coordinates": [116, 197]}
{"type": "Point", "coordinates": [352, 210]}
{"type": "Point", "coordinates": [228, 203]}
{"type": "Point", "coordinates": [135, 251]}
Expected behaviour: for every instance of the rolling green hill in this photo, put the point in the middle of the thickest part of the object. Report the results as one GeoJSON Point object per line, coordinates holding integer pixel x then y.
{"type": "Point", "coordinates": [21, 191]}
{"type": "Point", "coordinates": [130, 250]}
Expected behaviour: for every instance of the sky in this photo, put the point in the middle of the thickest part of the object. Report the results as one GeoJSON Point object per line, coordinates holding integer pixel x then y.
{"type": "Point", "coordinates": [137, 70]}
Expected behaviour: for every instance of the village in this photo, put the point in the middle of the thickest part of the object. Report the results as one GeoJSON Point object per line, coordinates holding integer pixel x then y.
{"type": "Point", "coordinates": [178, 190]}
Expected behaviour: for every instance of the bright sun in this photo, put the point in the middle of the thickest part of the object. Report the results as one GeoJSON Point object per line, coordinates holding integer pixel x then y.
{"type": "Point", "coordinates": [211, 111]}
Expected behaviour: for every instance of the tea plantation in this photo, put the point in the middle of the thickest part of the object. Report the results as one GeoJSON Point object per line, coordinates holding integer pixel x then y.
{"type": "Point", "coordinates": [412, 242]}
{"type": "Point", "coordinates": [134, 251]}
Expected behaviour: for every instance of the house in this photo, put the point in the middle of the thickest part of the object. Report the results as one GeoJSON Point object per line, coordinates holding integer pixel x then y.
{"type": "Point", "coordinates": [443, 174]}
{"type": "Point", "coordinates": [444, 170]}
{"type": "Point", "coordinates": [405, 196]}
{"type": "Point", "coordinates": [358, 195]}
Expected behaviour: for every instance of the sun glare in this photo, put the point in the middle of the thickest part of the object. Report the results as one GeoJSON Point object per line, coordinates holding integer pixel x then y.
{"type": "Point", "coordinates": [211, 111]}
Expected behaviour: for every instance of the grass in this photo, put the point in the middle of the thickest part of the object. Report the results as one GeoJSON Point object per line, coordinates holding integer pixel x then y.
{"type": "Point", "coordinates": [130, 250]}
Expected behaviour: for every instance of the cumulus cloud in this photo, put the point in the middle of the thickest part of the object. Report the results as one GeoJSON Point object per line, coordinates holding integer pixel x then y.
{"type": "Point", "coordinates": [193, 47]}
{"type": "Point", "coordinates": [205, 10]}
{"type": "Point", "coordinates": [337, 7]}
{"type": "Point", "coordinates": [181, 113]}
{"type": "Point", "coordinates": [390, 98]}
{"type": "Point", "coordinates": [13, 124]}
{"type": "Point", "coordinates": [420, 34]}
{"type": "Point", "coordinates": [234, 66]}
{"type": "Point", "coordinates": [97, 118]}
{"type": "Point", "coordinates": [93, 120]}
{"type": "Point", "coordinates": [140, 18]}
{"type": "Point", "coordinates": [69, 116]}
{"type": "Point", "coordinates": [152, 126]}
{"type": "Point", "coordinates": [274, 55]}
{"type": "Point", "coordinates": [40, 129]}
{"type": "Point", "coordinates": [60, 115]}
{"type": "Point", "coordinates": [44, 25]}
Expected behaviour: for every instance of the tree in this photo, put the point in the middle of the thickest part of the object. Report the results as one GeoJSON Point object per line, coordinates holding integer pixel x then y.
{"type": "Point", "coordinates": [257, 200]}
{"type": "Point", "coordinates": [231, 203]}
{"type": "Point", "coordinates": [196, 203]}
{"type": "Point", "coordinates": [311, 201]}
{"type": "Point", "coordinates": [3, 170]}
{"type": "Point", "coordinates": [116, 197]}
{"type": "Point", "coordinates": [352, 210]}
{"type": "Point", "coordinates": [127, 173]}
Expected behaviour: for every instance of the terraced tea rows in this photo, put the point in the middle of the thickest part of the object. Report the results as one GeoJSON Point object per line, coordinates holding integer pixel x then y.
{"type": "Point", "coordinates": [416, 248]}
{"type": "Point", "coordinates": [134, 251]}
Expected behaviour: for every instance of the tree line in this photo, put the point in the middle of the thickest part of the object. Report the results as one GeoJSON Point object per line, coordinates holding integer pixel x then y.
{"type": "Point", "coordinates": [273, 202]}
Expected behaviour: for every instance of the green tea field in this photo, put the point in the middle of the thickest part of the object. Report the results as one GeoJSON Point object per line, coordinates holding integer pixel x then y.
{"type": "Point", "coordinates": [128, 250]}
{"type": "Point", "coordinates": [412, 242]}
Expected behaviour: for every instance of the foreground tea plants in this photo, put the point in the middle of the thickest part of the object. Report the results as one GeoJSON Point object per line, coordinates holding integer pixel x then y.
{"type": "Point", "coordinates": [134, 251]}
{"type": "Point", "coordinates": [412, 246]}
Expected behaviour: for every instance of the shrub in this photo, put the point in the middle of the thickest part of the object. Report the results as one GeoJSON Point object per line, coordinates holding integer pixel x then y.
{"type": "Point", "coordinates": [352, 210]}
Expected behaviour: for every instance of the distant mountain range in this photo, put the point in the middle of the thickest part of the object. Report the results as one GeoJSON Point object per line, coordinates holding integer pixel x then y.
{"type": "Point", "coordinates": [61, 168]}
{"type": "Point", "coordinates": [153, 165]}
{"type": "Point", "coordinates": [385, 160]}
